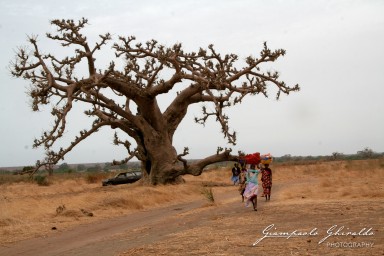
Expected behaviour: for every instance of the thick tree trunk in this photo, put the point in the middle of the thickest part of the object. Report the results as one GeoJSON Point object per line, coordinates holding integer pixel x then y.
{"type": "Point", "coordinates": [159, 171]}
{"type": "Point", "coordinates": [163, 167]}
{"type": "Point", "coordinates": [161, 164]}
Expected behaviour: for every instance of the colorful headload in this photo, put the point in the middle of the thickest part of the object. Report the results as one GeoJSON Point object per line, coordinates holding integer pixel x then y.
{"type": "Point", "coordinates": [252, 158]}
{"type": "Point", "coordinates": [266, 158]}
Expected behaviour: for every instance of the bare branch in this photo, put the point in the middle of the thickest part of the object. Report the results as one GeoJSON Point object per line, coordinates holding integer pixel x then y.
{"type": "Point", "coordinates": [181, 159]}
{"type": "Point", "coordinates": [126, 97]}
{"type": "Point", "coordinates": [53, 158]}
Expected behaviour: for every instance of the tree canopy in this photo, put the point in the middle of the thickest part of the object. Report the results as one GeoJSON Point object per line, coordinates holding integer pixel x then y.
{"type": "Point", "coordinates": [124, 97]}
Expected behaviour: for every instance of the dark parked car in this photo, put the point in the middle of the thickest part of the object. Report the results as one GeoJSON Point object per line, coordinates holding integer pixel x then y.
{"type": "Point", "coordinates": [123, 178]}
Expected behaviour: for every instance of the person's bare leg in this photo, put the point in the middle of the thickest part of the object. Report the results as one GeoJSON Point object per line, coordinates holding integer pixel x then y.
{"type": "Point", "coordinates": [269, 193]}
{"type": "Point", "coordinates": [254, 202]}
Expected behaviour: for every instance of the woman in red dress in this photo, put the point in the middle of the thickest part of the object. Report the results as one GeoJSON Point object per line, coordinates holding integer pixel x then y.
{"type": "Point", "coordinates": [266, 178]}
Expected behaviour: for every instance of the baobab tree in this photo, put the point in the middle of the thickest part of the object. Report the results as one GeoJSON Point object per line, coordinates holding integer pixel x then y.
{"type": "Point", "coordinates": [125, 97]}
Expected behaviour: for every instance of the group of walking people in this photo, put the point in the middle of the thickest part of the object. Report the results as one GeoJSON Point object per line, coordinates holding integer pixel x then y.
{"type": "Point", "coordinates": [247, 179]}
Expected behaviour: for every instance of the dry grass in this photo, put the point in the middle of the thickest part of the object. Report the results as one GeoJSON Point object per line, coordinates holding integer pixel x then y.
{"type": "Point", "coordinates": [335, 180]}
{"type": "Point", "coordinates": [28, 210]}
{"type": "Point", "coordinates": [316, 195]}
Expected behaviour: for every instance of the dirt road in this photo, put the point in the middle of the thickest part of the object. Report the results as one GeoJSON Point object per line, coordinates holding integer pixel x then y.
{"type": "Point", "coordinates": [120, 234]}
{"type": "Point", "coordinates": [103, 238]}
{"type": "Point", "coordinates": [225, 228]}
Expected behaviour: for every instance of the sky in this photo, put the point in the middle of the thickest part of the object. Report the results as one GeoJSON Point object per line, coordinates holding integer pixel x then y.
{"type": "Point", "coordinates": [334, 52]}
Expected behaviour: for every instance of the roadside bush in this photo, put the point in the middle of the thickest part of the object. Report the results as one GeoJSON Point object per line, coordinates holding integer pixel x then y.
{"type": "Point", "coordinates": [41, 180]}
{"type": "Point", "coordinates": [208, 194]}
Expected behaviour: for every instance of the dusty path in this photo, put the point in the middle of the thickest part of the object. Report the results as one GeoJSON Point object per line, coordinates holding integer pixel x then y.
{"type": "Point", "coordinates": [120, 234]}
{"type": "Point", "coordinates": [99, 238]}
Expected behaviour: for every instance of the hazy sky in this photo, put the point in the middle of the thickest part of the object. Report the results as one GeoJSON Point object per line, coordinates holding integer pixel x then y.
{"type": "Point", "coordinates": [334, 51]}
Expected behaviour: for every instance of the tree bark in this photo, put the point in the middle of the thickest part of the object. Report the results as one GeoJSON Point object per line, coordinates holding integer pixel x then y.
{"type": "Point", "coordinates": [161, 159]}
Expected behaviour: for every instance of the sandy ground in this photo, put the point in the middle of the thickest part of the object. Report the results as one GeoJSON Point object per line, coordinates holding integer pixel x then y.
{"type": "Point", "coordinates": [306, 216]}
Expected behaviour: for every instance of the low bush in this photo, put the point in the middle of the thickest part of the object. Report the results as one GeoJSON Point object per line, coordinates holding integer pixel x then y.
{"type": "Point", "coordinates": [208, 194]}
{"type": "Point", "coordinates": [41, 180]}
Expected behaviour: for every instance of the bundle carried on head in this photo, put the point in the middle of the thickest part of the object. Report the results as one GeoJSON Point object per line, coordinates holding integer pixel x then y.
{"type": "Point", "coordinates": [252, 158]}
{"type": "Point", "coordinates": [255, 158]}
{"type": "Point", "coordinates": [266, 158]}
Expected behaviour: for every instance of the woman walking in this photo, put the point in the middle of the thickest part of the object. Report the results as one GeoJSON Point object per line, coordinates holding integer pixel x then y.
{"type": "Point", "coordinates": [252, 187]}
{"type": "Point", "coordinates": [266, 178]}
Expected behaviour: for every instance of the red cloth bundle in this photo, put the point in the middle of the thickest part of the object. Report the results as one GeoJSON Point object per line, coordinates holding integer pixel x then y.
{"type": "Point", "coordinates": [252, 158]}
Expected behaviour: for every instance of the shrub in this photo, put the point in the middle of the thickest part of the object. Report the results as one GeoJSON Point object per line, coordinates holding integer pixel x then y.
{"type": "Point", "coordinates": [208, 193]}
{"type": "Point", "coordinates": [41, 180]}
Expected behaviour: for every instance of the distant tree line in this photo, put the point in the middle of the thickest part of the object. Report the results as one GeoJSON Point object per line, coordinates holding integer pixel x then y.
{"type": "Point", "coordinates": [98, 167]}
{"type": "Point", "coordinates": [72, 168]}
{"type": "Point", "coordinates": [366, 153]}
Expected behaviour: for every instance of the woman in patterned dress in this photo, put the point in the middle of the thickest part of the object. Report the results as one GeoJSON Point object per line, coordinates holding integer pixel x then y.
{"type": "Point", "coordinates": [266, 178]}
